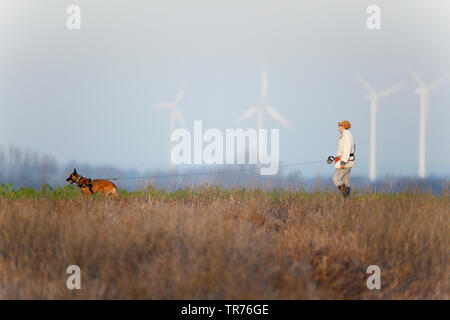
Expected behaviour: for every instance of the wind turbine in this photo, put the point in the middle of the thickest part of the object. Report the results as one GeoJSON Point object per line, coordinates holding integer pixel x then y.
{"type": "Point", "coordinates": [174, 116]}
{"type": "Point", "coordinates": [424, 91]}
{"type": "Point", "coordinates": [374, 97]}
{"type": "Point", "coordinates": [262, 106]}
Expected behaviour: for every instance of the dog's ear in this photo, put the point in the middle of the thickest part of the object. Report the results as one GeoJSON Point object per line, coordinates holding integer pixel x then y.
{"type": "Point", "coordinates": [74, 171]}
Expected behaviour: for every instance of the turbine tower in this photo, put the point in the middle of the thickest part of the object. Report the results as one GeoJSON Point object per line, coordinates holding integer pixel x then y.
{"type": "Point", "coordinates": [174, 116]}
{"type": "Point", "coordinates": [424, 91]}
{"type": "Point", "coordinates": [262, 106]}
{"type": "Point", "coordinates": [374, 97]}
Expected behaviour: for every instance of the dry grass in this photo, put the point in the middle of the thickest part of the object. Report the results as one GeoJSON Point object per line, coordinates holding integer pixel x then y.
{"type": "Point", "coordinates": [299, 246]}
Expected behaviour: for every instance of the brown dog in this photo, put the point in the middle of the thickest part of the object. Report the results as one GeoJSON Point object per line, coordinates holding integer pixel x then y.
{"type": "Point", "coordinates": [89, 186]}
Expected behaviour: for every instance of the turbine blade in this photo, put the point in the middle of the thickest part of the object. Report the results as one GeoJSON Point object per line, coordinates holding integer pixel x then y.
{"type": "Point", "coordinates": [391, 90]}
{"type": "Point", "coordinates": [439, 82]}
{"type": "Point", "coordinates": [416, 77]}
{"type": "Point", "coordinates": [179, 95]}
{"type": "Point", "coordinates": [264, 83]}
{"type": "Point", "coordinates": [247, 114]}
{"type": "Point", "coordinates": [178, 116]}
{"type": "Point", "coordinates": [277, 116]}
{"type": "Point", "coordinates": [365, 83]}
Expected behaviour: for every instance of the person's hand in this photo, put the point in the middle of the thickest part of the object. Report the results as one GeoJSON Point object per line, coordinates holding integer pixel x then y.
{"type": "Point", "coordinates": [342, 166]}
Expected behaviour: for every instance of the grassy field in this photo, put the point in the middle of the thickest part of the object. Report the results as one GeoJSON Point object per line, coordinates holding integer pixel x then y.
{"type": "Point", "coordinates": [213, 243]}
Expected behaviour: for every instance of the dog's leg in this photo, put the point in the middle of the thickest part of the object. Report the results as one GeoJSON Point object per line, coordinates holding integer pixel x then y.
{"type": "Point", "coordinates": [114, 193]}
{"type": "Point", "coordinates": [86, 193]}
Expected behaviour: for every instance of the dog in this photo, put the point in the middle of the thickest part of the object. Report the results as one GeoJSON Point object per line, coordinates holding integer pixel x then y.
{"type": "Point", "coordinates": [90, 187]}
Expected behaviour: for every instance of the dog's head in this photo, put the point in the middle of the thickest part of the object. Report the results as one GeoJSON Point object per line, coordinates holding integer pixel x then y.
{"type": "Point", "coordinates": [74, 176]}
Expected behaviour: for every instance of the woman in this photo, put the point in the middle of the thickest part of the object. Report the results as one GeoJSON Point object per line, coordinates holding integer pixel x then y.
{"type": "Point", "coordinates": [345, 159]}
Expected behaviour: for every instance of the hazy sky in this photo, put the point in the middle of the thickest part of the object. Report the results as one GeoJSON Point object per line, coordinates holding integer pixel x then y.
{"type": "Point", "coordinates": [88, 94]}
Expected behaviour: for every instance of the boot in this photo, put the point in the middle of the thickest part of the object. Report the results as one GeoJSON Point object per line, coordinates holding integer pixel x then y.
{"type": "Point", "coordinates": [346, 192]}
{"type": "Point", "coordinates": [341, 189]}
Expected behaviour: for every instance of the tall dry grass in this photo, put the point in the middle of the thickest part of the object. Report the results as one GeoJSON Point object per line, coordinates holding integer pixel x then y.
{"type": "Point", "coordinates": [212, 246]}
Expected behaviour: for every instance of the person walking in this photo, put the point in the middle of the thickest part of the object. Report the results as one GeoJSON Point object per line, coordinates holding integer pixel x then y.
{"type": "Point", "coordinates": [345, 159]}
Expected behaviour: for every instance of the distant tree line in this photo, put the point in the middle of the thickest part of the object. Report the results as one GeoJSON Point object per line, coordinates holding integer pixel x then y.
{"type": "Point", "coordinates": [31, 169]}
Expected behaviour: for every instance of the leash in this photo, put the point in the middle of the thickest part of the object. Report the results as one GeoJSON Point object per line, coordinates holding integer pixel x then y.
{"type": "Point", "coordinates": [211, 173]}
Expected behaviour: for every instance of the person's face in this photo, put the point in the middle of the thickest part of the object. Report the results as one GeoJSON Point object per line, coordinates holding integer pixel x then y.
{"type": "Point", "coordinates": [341, 128]}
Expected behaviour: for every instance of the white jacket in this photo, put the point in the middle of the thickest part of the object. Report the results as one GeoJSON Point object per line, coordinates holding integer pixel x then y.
{"type": "Point", "coordinates": [345, 147]}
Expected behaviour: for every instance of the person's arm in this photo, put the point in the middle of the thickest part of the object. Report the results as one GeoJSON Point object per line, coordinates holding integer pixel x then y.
{"type": "Point", "coordinates": [346, 149]}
